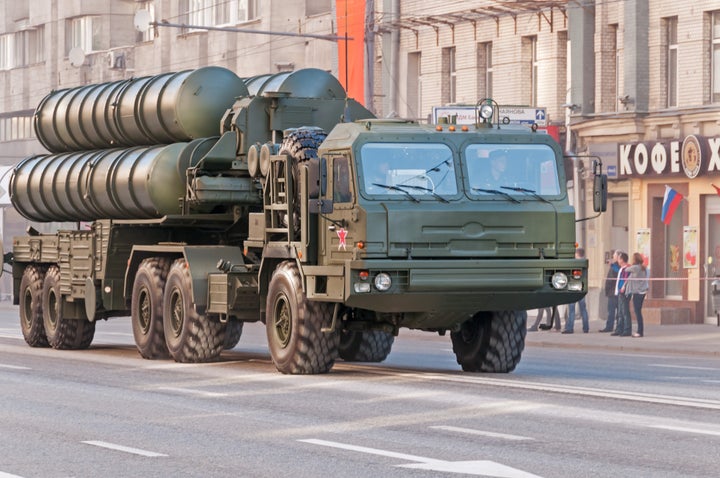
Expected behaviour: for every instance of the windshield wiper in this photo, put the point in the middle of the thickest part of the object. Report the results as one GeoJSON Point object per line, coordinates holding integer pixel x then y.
{"type": "Point", "coordinates": [395, 188]}
{"type": "Point", "coordinates": [499, 193]}
{"type": "Point", "coordinates": [423, 188]}
{"type": "Point", "coordinates": [526, 191]}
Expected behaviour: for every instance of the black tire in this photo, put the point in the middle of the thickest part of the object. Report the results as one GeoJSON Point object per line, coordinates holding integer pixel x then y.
{"type": "Point", "coordinates": [491, 341]}
{"type": "Point", "coordinates": [233, 332]}
{"type": "Point", "coordinates": [297, 343]}
{"type": "Point", "coordinates": [146, 308]}
{"type": "Point", "coordinates": [31, 318]}
{"type": "Point", "coordinates": [365, 345]}
{"type": "Point", "coordinates": [190, 337]}
{"type": "Point", "coordinates": [61, 332]}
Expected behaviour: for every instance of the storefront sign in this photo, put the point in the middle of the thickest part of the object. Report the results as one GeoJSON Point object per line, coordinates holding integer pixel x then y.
{"type": "Point", "coordinates": [467, 114]}
{"type": "Point", "coordinates": [693, 156]}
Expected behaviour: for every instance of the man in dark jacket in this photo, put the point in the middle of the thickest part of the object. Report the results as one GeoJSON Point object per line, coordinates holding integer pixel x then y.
{"type": "Point", "coordinates": [623, 328]}
{"type": "Point", "coordinates": [612, 300]}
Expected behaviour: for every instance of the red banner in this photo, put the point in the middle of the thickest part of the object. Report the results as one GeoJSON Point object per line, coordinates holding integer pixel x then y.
{"type": "Point", "coordinates": [351, 22]}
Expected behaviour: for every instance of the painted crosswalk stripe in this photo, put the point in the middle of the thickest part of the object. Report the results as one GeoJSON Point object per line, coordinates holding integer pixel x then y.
{"type": "Point", "coordinates": [126, 449]}
{"type": "Point", "coordinates": [469, 431]}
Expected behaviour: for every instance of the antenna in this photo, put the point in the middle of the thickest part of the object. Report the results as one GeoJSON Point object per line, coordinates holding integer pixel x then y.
{"type": "Point", "coordinates": [142, 20]}
{"type": "Point", "coordinates": [76, 56]}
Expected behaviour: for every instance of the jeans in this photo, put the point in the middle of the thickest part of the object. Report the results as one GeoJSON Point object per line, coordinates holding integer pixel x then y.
{"type": "Point", "coordinates": [570, 324]}
{"type": "Point", "coordinates": [624, 326]}
{"type": "Point", "coordinates": [547, 311]}
{"type": "Point", "coordinates": [612, 305]}
{"type": "Point", "coordinates": [637, 300]}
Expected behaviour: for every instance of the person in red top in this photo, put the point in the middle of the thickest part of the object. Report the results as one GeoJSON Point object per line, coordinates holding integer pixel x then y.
{"type": "Point", "coordinates": [624, 325]}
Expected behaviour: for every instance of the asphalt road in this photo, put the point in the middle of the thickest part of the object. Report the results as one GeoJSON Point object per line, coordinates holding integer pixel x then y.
{"type": "Point", "coordinates": [562, 413]}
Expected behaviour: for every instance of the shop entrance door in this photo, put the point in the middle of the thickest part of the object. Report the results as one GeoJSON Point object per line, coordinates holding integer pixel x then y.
{"type": "Point", "coordinates": [712, 246]}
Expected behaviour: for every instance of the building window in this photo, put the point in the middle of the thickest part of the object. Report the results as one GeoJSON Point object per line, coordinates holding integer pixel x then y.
{"type": "Point", "coordinates": [22, 48]}
{"type": "Point", "coordinates": [209, 13]}
{"type": "Point", "coordinates": [485, 70]}
{"type": "Point", "coordinates": [530, 67]}
{"type": "Point", "coordinates": [150, 33]}
{"type": "Point", "coordinates": [84, 33]}
{"type": "Point", "coordinates": [715, 57]}
{"type": "Point", "coordinates": [449, 72]}
{"type": "Point", "coordinates": [15, 127]}
{"type": "Point", "coordinates": [414, 85]}
{"type": "Point", "coordinates": [671, 25]}
{"type": "Point", "coordinates": [317, 7]}
{"type": "Point", "coordinates": [7, 59]}
{"type": "Point", "coordinates": [34, 45]}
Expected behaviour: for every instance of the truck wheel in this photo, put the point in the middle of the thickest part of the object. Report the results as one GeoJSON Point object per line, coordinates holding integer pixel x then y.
{"type": "Point", "coordinates": [491, 341]}
{"type": "Point", "coordinates": [297, 343]}
{"type": "Point", "coordinates": [31, 318]}
{"type": "Point", "coordinates": [190, 337]}
{"type": "Point", "coordinates": [147, 307]}
{"type": "Point", "coordinates": [61, 332]}
{"type": "Point", "coordinates": [365, 345]}
{"type": "Point", "coordinates": [233, 332]}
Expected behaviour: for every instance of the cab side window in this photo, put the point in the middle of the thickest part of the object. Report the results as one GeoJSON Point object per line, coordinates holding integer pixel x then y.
{"type": "Point", "coordinates": [341, 180]}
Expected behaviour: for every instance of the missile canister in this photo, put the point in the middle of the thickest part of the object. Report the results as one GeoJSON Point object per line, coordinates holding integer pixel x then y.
{"type": "Point", "coordinates": [305, 83]}
{"type": "Point", "coordinates": [142, 182]}
{"type": "Point", "coordinates": [162, 109]}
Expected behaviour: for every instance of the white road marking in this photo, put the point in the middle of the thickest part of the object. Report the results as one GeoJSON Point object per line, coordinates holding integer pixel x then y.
{"type": "Point", "coordinates": [470, 431]}
{"type": "Point", "coordinates": [190, 391]}
{"type": "Point", "coordinates": [8, 475]}
{"type": "Point", "coordinates": [478, 468]}
{"type": "Point", "coordinates": [14, 367]}
{"type": "Point", "coordinates": [687, 430]}
{"type": "Point", "coordinates": [585, 391]}
{"type": "Point", "coordinates": [126, 449]}
{"type": "Point", "coordinates": [684, 367]}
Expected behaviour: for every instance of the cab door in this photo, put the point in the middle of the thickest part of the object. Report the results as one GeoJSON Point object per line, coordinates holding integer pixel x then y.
{"type": "Point", "coordinates": [337, 234]}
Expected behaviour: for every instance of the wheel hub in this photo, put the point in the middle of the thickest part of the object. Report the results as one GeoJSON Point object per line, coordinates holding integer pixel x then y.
{"type": "Point", "coordinates": [283, 321]}
{"type": "Point", "coordinates": [144, 311]}
{"type": "Point", "coordinates": [177, 313]}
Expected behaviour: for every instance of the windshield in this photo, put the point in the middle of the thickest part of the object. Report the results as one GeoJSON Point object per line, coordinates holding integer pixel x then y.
{"type": "Point", "coordinates": [407, 169]}
{"type": "Point", "coordinates": [512, 169]}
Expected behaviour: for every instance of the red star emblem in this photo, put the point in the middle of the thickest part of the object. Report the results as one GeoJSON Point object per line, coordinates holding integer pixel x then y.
{"type": "Point", "coordinates": [342, 235]}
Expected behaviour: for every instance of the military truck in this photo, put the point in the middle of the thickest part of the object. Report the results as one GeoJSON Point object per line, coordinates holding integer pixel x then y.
{"type": "Point", "coordinates": [204, 201]}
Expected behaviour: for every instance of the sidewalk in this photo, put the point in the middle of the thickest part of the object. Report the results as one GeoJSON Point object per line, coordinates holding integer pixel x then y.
{"type": "Point", "coordinates": [694, 339]}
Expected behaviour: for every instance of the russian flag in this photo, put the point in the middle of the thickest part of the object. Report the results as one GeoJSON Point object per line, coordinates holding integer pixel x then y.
{"type": "Point", "coordinates": [671, 201]}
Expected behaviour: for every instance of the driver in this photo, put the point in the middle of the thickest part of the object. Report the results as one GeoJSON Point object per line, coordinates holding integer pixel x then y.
{"type": "Point", "coordinates": [498, 165]}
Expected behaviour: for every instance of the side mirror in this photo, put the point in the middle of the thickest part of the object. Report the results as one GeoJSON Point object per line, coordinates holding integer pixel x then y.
{"type": "Point", "coordinates": [323, 177]}
{"type": "Point", "coordinates": [600, 186]}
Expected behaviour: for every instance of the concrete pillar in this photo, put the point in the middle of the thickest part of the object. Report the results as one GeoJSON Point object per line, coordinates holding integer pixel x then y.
{"type": "Point", "coordinates": [581, 30]}
{"type": "Point", "coordinates": [636, 58]}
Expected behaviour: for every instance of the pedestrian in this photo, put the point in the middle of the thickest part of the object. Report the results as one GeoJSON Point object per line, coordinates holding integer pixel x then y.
{"type": "Point", "coordinates": [570, 322]}
{"type": "Point", "coordinates": [624, 325]}
{"type": "Point", "coordinates": [637, 286]}
{"type": "Point", "coordinates": [547, 312]}
{"type": "Point", "coordinates": [612, 303]}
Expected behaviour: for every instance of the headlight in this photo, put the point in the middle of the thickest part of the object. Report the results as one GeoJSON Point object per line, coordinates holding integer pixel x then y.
{"type": "Point", "coordinates": [559, 280]}
{"type": "Point", "coordinates": [576, 286]}
{"type": "Point", "coordinates": [362, 287]}
{"type": "Point", "coordinates": [382, 282]}
{"type": "Point", "coordinates": [486, 112]}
